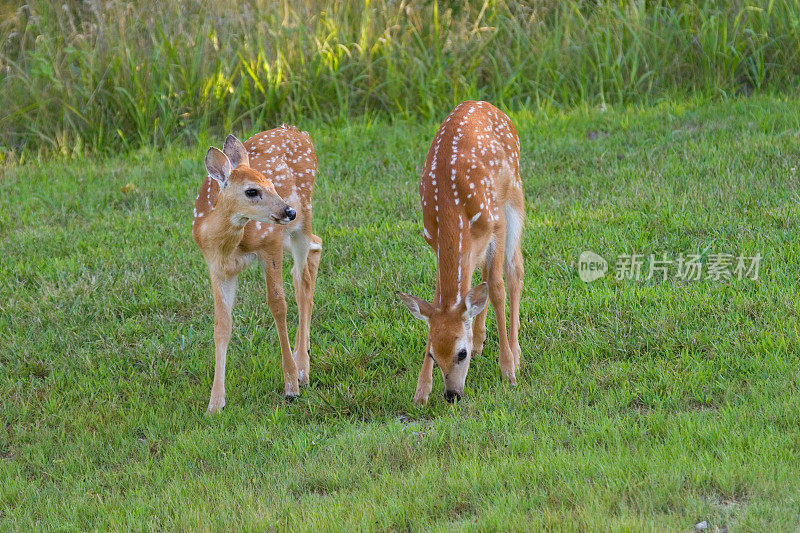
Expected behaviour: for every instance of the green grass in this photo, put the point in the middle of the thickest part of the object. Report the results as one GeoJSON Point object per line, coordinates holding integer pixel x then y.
{"type": "Point", "coordinates": [79, 76]}
{"type": "Point", "coordinates": [640, 405]}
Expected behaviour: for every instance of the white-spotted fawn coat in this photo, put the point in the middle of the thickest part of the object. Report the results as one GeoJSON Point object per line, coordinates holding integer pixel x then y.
{"type": "Point", "coordinates": [256, 204]}
{"type": "Point", "coordinates": [473, 213]}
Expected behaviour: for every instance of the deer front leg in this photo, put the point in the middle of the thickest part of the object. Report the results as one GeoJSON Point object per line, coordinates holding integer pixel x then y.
{"type": "Point", "coordinates": [425, 380]}
{"type": "Point", "coordinates": [224, 295]}
{"type": "Point", "coordinates": [273, 269]}
{"type": "Point", "coordinates": [479, 326]}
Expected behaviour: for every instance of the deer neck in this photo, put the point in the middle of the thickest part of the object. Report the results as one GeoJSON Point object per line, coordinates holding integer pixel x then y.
{"type": "Point", "coordinates": [453, 269]}
{"type": "Point", "coordinates": [224, 228]}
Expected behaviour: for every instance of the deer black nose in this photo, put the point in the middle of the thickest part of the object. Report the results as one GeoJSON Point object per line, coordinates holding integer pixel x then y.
{"type": "Point", "coordinates": [290, 213]}
{"type": "Point", "coordinates": [451, 396]}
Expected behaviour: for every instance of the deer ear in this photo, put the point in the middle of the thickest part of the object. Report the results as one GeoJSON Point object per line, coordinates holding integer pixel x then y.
{"type": "Point", "coordinates": [218, 166]}
{"type": "Point", "coordinates": [476, 299]}
{"type": "Point", "coordinates": [418, 307]}
{"type": "Point", "coordinates": [236, 152]}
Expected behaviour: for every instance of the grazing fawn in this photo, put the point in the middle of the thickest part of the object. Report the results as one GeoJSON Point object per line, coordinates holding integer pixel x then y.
{"type": "Point", "coordinates": [472, 211]}
{"type": "Point", "coordinates": [254, 204]}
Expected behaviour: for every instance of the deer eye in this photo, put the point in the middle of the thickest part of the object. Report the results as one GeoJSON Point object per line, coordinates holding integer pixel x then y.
{"type": "Point", "coordinates": [462, 355]}
{"type": "Point", "coordinates": [251, 192]}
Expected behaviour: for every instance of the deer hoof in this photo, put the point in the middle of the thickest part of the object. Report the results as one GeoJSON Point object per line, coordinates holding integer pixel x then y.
{"type": "Point", "coordinates": [215, 407]}
{"type": "Point", "coordinates": [302, 378]}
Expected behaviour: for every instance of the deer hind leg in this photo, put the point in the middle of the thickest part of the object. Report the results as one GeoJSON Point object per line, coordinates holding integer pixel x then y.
{"type": "Point", "coordinates": [314, 255]}
{"type": "Point", "coordinates": [497, 295]}
{"type": "Point", "coordinates": [306, 251]}
{"type": "Point", "coordinates": [273, 270]}
{"type": "Point", "coordinates": [224, 291]}
{"type": "Point", "coordinates": [515, 272]}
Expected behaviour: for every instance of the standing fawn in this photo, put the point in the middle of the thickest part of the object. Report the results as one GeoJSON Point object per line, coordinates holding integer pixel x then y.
{"type": "Point", "coordinates": [472, 211]}
{"type": "Point", "coordinates": [256, 203]}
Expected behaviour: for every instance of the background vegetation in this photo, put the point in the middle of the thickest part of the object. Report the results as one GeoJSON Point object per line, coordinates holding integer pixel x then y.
{"type": "Point", "coordinates": [112, 74]}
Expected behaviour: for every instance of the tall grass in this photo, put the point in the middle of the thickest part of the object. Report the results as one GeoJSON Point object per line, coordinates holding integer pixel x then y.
{"type": "Point", "coordinates": [110, 75]}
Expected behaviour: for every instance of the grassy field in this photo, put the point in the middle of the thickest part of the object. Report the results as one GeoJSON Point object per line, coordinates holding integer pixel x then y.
{"type": "Point", "coordinates": [641, 405]}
